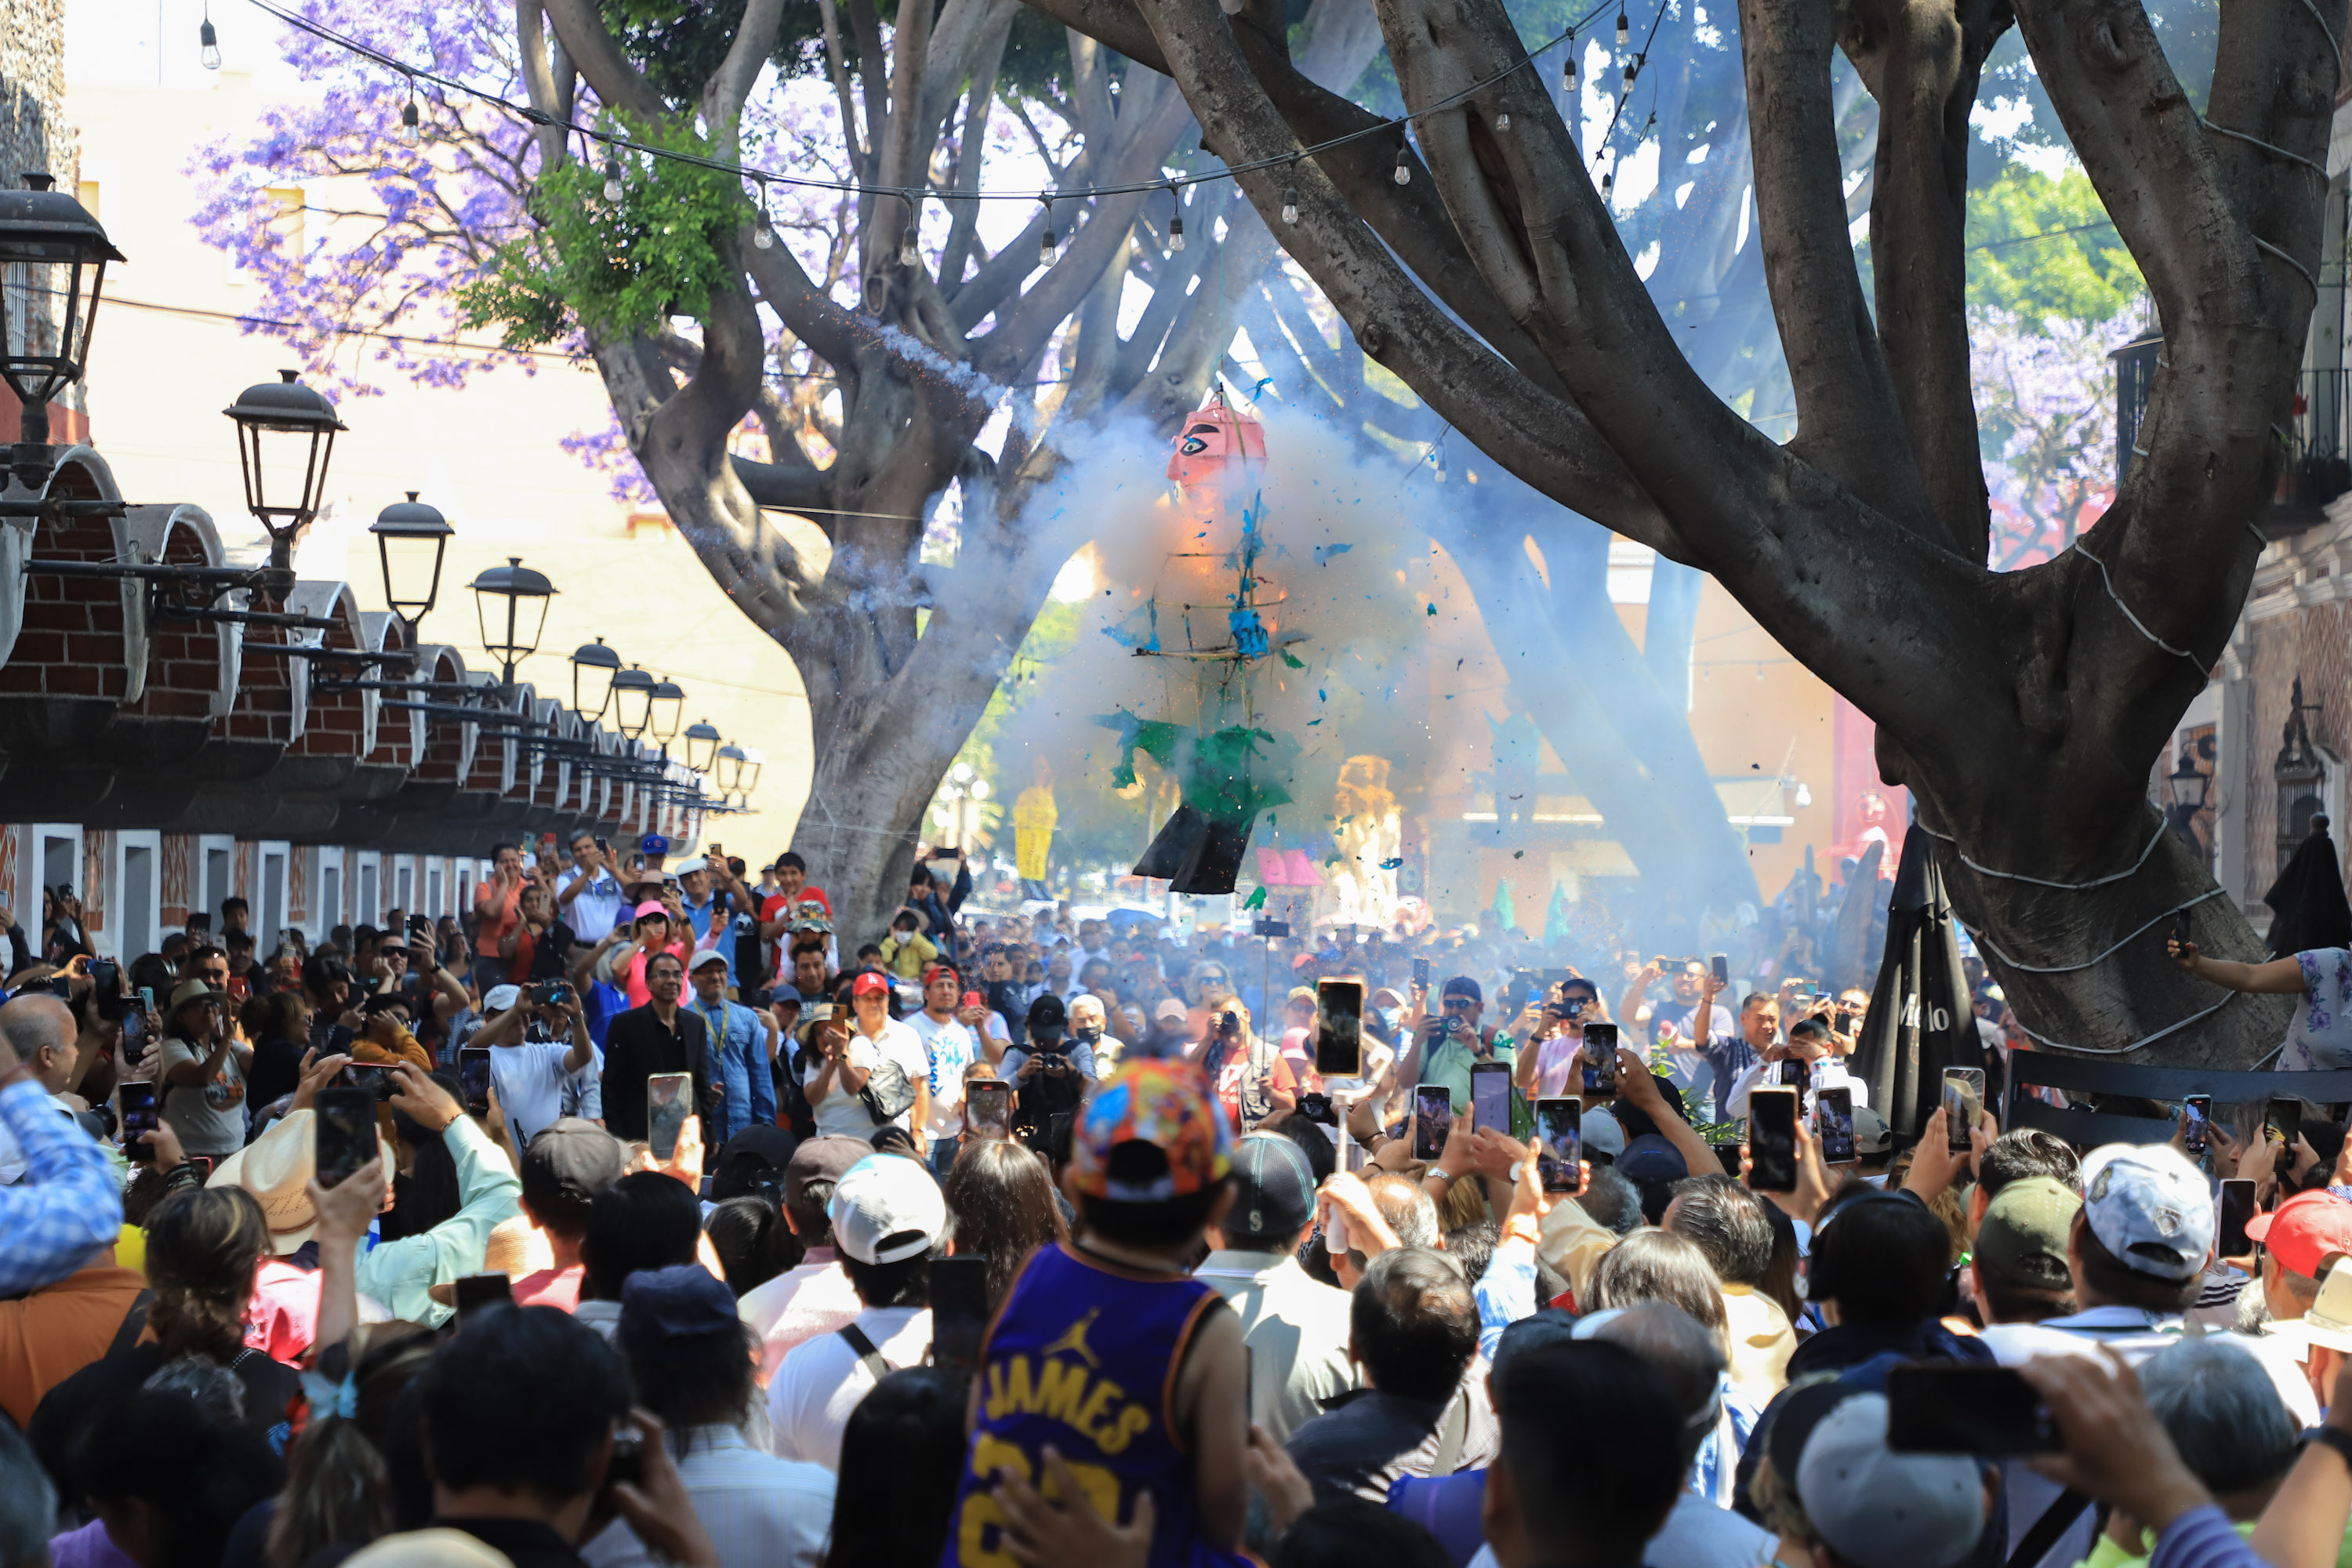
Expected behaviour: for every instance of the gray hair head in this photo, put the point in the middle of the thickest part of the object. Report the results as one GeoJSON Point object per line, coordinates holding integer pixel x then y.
{"type": "Point", "coordinates": [1611, 1201]}
{"type": "Point", "coordinates": [214, 1388]}
{"type": "Point", "coordinates": [2221, 1411]}
{"type": "Point", "coordinates": [29, 1503]}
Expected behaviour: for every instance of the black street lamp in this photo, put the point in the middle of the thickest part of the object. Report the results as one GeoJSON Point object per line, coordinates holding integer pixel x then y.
{"type": "Point", "coordinates": [283, 408]}
{"type": "Point", "coordinates": [53, 258]}
{"type": "Point", "coordinates": [2188, 785]}
{"type": "Point", "coordinates": [410, 538]}
{"type": "Point", "coordinates": [669, 708]}
{"type": "Point", "coordinates": [726, 768]}
{"type": "Point", "coordinates": [594, 666]}
{"type": "Point", "coordinates": [633, 697]}
{"type": "Point", "coordinates": [511, 601]}
{"type": "Point", "coordinates": [701, 745]}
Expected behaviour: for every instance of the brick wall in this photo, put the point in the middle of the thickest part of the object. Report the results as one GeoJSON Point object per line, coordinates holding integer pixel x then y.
{"type": "Point", "coordinates": [71, 645]}
{"type": "Point", "coordinates": [183, 657]}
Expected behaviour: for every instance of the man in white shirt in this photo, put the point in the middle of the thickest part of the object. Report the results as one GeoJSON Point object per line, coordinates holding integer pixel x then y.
{"type": "Point", "coordinates": [887, 1216]}
{"type": "Point", "coordinates": [952, 1047]}
{"type": "Point", "coordinates": [588, 895]}
{"type": "Point", "coordinates": [816, 1297]}
{"type": "Point", "coordinates": [685, 1347]}
{"type": "Point", "coordinates": [1295, 1326]}
{"type": "Point", "coordinates": [1823, 1069]}
{"type": "Point", "coordinates": [537, 1048]}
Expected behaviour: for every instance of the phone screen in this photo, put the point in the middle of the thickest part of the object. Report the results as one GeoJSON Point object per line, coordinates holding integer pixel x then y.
{"type": "Point", "coordinates": [1559, 1143]}
{"type": "Point", "coordinates": [667, 1097]}
{"type": "Point", "coordinates": [345, 1131]}
{"type": "Point", "coordinates": [1833, 1125]}
{"type": "Point", "coordinates": [2285, 1119]}
{"type": "Point", "coordinates": [2195, 1118]}
{"type": "Point", "coordinates": [1727, 1156]}
{"type": "Point", "coordinates": [2237, 1208]}
{"type": "Point", "coordinates": [474, 1078]}
{"type": "Point", "coordinates": [988, 1108]}
{"type": "Point", "coordinates": [959, 1309]}
{"type": "Point", "coordinates": [1772, 1139]}
{"type": "Point", "coordinates": [1600, 1058]}
{"type": "Point", "coordinates": [474, 1291]}
{"type": "Point", "coordinates": [1791, 1073]}
{"type": "Point", "coordinates": [1720, 967]}
{"type": "Point", "coordinates": [373, 1080]}
{"type": "Point", "coordinates": [1963, 1104]}
{"type": "Point", "coordinates": [1421, 972]}
{"type": "Point", "coordinates": [137, 1111]}
{"type": "Point", "coordinates": [1340, 1028]}
{"type": "Point", "coordinates": [1490, 1096]}
{"type": "Point", "coordinates": [1989, 1412]}
{"type": "Point", "coordinates": [1433, 1118]}
{"type": "Point", "coordinates": [134, 1035]}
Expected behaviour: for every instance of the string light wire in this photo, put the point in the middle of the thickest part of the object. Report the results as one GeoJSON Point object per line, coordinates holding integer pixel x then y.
{"type": "Point", "coordinates": [617, 143]}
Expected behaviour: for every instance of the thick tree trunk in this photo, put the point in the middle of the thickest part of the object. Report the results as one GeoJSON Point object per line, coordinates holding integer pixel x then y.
{"type": "Point", "coordinates": [2087, 968]}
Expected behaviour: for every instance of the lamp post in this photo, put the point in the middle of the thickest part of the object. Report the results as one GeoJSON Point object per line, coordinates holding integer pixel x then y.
{"type": "Point", "coordinates": [410, 538]}
{"type": "Point", "coordinates": [51, 250]}
{"type": "Point", "coordinates": [300, 427]}
{"type": "Point", "coordinates": [594, 666]}
{"type": "Point", "coordinates": [668, 707]}
{"type": "Point", "coordinates": [726, 768]}
{"type": "Point", "coordinates": [701, 746]}
{"type": "Point", "coordinates": [964, 789]}
{"type": "Point", "coordinates": [632, 698]}
{"type": "Point", "coordinates": [511, 601]}
{"type": "Point", "coordinates": [2189, 786]}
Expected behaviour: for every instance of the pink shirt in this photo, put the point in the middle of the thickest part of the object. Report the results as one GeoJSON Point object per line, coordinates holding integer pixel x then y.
{"type": "Point", "coordinates": [282, 1319]}
{"type": "Point", "coordinates": [800, 1305]}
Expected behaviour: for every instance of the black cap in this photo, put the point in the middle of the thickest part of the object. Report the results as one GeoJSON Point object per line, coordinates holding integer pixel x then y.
{"type": "Point", "coordinates": [1048, 1013]}
{"type": "Point", "coordinates": [825, 1159]}
{"type": "Point", "coordinates": [571, 1160]}
{"type": "Point", "coordinates": [1462, 986]}
{"type": "Point", "coordinates": [1274, 1194]}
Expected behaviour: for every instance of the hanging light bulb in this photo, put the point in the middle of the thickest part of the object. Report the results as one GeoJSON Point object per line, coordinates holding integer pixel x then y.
{"type": "Point", "coordinates": [1502, 120]}
{"type": "Point", "coordinates": [1633, 69]}
{"type": "Point", "coordinates": [1607, 180]}
{"type": "Point", "coordinates": [910, 253]}
{"type": "Point", "coordinates": [1568, 72]}
{"type": "Point", "coordinates": [1403, 175]}
{"type": "Point", "coordinates": [1230, 7]}
{"type": "Point", "coordinates": [411, 131]}
{"type": "Point", "coordinates": [611, 176]}
{"type": "Point", "coordinates": [1045, 244]}
{"type": "Point", "coordinates": [1290, 205]}
{"type": "Point", "coordinates": [208, 45]}
{"type": "Point", "coordinates": [1176, 233]}
{"type": "Point", "coordinates": [1624, 33]}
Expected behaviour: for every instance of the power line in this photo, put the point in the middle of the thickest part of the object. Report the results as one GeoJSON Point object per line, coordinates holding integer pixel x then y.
{"type": "Point", "coordinates": [764, 177]}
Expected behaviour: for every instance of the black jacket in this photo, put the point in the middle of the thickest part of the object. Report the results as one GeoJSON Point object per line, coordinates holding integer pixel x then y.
{"type": "Point", "coordinates": [637, 1046]}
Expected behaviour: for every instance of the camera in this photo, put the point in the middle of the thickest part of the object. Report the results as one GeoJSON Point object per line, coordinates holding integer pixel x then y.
{"type": "Point", "coordinates": [551, 993]}
{"type": "Point", "coordinates": [1318, 1107]}
{"type": "Point", "coordinates": [1229, 1026]}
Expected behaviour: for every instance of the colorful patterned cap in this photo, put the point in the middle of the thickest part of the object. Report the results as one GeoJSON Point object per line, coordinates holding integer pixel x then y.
{"type": "Point", "coordinates": [1165, 1104]}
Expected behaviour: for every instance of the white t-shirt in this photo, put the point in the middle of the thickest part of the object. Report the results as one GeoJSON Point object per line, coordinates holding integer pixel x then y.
{"type": "Point", "coordinates": [900, 1043]}
{"type": "Point", "coordinates": [529, 1079]}
{"type": "Point", "coordinates": [818, 1383]}
{"type": "Point", "coordinates": [843, 1110]}
{"type": "Point", "coordinates": [951, 1048]}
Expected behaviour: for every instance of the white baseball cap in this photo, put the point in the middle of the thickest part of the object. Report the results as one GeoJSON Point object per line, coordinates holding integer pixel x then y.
{"type": "Point", "coordinates": [1878, 1508]}
{"type": "Point", "coordinates": [500, 998]}
{"type": "Point", "coordinates": [887, 1208]}
{"type": "Point", "coordinates": [2150, 1207]}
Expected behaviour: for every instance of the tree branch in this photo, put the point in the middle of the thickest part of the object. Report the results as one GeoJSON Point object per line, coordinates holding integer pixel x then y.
{"type": "Point", "coordinates": [600, 60]}
{"type": "Point", "coordinates": [755, 40]}
{"type": "Point", "coordinates": [1921, 60]}
{"type": "Point", "coordinates": [1848, 422]}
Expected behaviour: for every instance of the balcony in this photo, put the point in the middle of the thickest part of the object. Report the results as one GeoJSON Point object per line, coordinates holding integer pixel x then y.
{"type": "Point", "coordinates": [2318, 465]}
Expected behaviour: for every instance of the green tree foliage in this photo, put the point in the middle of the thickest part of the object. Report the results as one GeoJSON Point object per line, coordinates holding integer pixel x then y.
{"type": "Point", "coordinates": [2043, 249]}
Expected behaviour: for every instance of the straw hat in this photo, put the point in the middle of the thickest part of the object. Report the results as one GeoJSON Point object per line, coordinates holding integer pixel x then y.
{"type": "Point", "coordinates": [276, 1168]}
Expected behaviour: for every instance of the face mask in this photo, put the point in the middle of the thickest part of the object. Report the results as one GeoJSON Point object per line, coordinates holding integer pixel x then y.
{"type": "Point", "coordinates": [1086, 1034]}
{"type": "Point", "coordinates": [1390, 1018]}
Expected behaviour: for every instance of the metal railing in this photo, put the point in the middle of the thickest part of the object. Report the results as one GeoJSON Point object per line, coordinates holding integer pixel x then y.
{"type": "Point", "coordinates": [2318, 464]}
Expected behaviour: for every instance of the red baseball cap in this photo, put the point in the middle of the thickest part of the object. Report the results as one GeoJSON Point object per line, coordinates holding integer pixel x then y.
{"type": "Point", "coordinates": [871, 984]}
{"type": "Point", "coordinates": [2305, 1231]}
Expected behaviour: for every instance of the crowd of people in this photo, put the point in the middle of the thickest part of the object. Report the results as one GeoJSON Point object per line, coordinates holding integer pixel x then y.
{"type": "Point", "coordinates": [627, 1218]}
